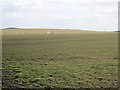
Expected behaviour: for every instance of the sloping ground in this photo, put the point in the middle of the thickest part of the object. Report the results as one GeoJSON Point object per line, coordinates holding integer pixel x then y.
{"type": "Point", "coordinates": [84, 60]}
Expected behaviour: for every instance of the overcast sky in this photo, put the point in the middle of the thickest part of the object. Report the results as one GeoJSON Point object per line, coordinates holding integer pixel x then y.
{"type": "Point", "coordinates": [78, 14]}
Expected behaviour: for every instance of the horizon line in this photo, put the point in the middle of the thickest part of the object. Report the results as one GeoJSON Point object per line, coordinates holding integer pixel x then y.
{"type": "Point", "coordinates": [12, 27]}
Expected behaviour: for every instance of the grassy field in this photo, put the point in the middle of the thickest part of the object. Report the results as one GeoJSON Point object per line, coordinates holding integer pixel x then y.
{"type": "Point", "coordinates": [64, 60]}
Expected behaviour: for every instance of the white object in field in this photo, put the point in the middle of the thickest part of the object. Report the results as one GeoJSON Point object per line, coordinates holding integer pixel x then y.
{"type": "Point", "coordinates": [48, 32]}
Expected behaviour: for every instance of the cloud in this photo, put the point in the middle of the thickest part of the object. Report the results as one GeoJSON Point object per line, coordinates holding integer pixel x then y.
{"type": "Point", "coordinates": [21, 5]}
{"type": "Point", "coordinates": [87, 14]}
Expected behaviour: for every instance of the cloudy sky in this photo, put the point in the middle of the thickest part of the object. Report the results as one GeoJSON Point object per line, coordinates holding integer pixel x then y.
{"type": "Point", "coordinates": [76, 14]}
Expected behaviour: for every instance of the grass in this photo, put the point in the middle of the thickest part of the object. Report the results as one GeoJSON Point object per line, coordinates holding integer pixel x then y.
{"type": "Point", "coordinates": [86, 60]}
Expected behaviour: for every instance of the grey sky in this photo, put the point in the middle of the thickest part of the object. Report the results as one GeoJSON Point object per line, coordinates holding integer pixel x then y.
{"type": "Point", "coordinates": [78, 14]}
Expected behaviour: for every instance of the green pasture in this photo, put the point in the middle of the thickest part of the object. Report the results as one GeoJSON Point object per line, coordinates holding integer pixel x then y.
{"type": "Point", "coordinates": [86, 60]}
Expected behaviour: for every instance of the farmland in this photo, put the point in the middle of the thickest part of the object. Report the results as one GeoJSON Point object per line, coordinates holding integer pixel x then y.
{"type": "Point", "coordinates": [60, 59]}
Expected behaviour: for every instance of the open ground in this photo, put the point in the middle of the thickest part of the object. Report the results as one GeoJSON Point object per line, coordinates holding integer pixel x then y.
{"type": "Point", "coordinates": [60, 59]}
